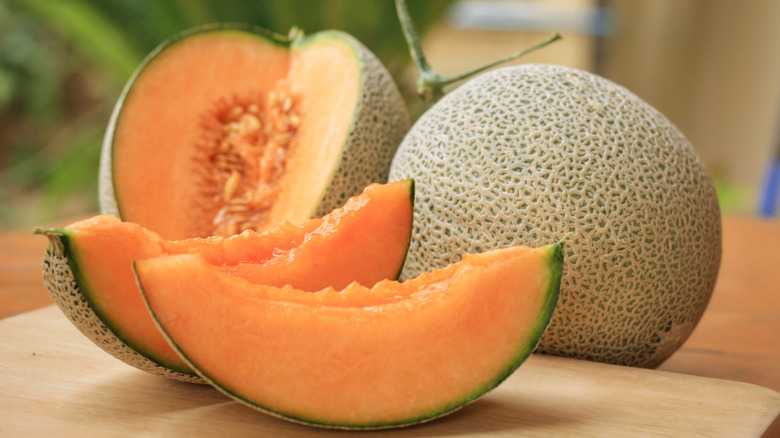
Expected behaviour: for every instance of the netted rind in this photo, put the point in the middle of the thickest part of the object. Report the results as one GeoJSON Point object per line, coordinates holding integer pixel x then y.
{"type": "Point", "coordinates": [526, 154]}
{"type": "Point", "coordinates": [64, 290]}
{"type": "Point", "coordinates": [379, 124]}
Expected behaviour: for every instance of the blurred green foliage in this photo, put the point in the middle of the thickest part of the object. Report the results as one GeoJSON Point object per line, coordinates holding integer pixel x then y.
{"type": "Point", "coordinates": [63, 64]}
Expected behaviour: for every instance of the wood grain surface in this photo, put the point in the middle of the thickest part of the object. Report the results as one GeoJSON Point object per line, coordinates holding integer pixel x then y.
{"type": "Point", "coordinates": [57, 383]}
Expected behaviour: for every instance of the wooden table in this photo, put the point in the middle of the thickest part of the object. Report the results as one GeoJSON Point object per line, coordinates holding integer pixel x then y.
{"type": "Point", "coordinates": [737, 340]}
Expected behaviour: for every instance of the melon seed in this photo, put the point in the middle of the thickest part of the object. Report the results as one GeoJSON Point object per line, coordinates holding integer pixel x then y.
{"type": "Point", "coordinates": [246, 143]}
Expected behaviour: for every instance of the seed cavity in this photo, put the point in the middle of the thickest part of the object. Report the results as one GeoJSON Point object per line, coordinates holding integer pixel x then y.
{"type": "Point", "coordinates": [244, 146]}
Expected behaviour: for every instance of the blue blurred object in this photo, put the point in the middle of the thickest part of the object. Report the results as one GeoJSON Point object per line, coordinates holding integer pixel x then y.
{"type": "Point", "coordinates": [770, 194]}
{"type": "Point", "coordinates": [528, 15]}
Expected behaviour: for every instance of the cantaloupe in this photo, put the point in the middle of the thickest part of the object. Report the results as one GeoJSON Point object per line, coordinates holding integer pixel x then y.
{"type": "Point", "coordinates": [522, 153]}
{"type": "Point", "coordinates": [88, 266]}
{"type": "Point", "coordinates": [358, 358]}
{"type": "Point", "coordinates": [230, 127]}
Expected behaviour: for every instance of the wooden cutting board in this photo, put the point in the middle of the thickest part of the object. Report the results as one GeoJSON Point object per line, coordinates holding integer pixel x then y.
{"type": "Point", "coordinates": [55, 382]}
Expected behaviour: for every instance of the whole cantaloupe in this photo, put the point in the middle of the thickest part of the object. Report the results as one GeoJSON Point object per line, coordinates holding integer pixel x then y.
{"type": "Point", "coordinates": [523, 155]}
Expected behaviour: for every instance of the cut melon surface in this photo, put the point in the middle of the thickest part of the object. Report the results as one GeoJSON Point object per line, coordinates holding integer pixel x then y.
{"type": "Point", "coordinates": [359, 358]}
{"type": "Point", "coordinates": [229, 127]}
{"type": "Point", "coordinates": [88, 266]}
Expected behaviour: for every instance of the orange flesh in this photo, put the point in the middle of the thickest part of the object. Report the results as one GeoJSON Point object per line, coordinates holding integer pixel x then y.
{"type": "Point", "coordinates": [326, 77]}
{"type": "Point", "coordinates": [181, 108]}
{"type": "Point", "coordinates": [364, 241]}
{"type": "Point", "coordinates": [360, 357]}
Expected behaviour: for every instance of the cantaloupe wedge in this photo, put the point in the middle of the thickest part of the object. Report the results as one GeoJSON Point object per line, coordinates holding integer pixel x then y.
{"type": "Point", "coordinates": [388, 356]}
{"type": "Point", "coordinates": [88, 266]}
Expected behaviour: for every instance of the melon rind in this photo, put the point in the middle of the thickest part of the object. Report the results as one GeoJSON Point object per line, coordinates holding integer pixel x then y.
{"type": "Point", "coordinates": [60, 272]}
{"type": "Point", "coordinates": [521, 154]}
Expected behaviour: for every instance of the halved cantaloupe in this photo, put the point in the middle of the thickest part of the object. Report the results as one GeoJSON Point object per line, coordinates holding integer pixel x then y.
{"type": "Point", "coordinates": [88, 266]}
{"type": "Point", "coordinates": [389, 356]}
{"type": "Point", "coordinates": [227, 127]}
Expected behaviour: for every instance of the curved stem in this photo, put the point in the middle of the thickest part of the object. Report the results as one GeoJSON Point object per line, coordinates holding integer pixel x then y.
{"type": "Point", "coordinates": [427, 78]}
{"type": "Point", "coordinates": [430, 85]}
{"type": "Point", "coordinates": [55, 236]}
{"type": "Point", "coordinates": [412, 40]}
{"type": "Point", "coordinates": [512, 57]}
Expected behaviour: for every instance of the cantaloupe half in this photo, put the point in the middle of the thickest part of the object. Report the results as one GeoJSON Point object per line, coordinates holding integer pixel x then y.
{"type": "Point", "coordinates": [228, 127]}
{"type": "Point", "coordinates": [392, 355]}
{"type": "Point", "coordinates": [88, 266]}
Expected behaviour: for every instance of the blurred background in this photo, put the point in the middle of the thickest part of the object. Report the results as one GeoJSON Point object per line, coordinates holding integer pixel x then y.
{"type": "Point", "coordinates": [712, 66]}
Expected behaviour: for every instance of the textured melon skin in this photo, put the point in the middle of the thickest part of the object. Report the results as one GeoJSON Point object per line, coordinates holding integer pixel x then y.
{"type": "Point", "coordinates": [521, 154]}
{"type": "Point", "coordinates": [379, 122]}
{"type": "Point", "coordinates": [59, 276]}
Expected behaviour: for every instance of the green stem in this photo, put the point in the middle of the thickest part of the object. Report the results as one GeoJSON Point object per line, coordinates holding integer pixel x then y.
{"type": "Point", "coordinates": [430, 85]}
{"type": "Point", "coordinates": [55, 236]}
{"type": "Point", "coordinates": [427, 76]}
{"type": "Point", "coordinates": [512, 57]}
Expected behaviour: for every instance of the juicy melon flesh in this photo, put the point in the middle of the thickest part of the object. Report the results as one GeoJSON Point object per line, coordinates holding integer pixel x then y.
{"type": "Point", "coordinates": [158, 130]}
{"type": "Point", "coordinates": [364, 241]}
{"type": "Point", "coordinates": [391, 355]}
